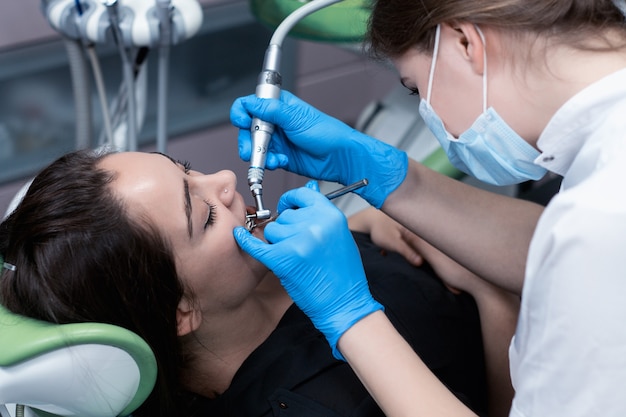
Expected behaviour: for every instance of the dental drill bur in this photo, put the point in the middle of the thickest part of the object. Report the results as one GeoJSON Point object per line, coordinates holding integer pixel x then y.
{"type": "Point", "coordinates": [268, 86]}
{"type": "Point", "coordinates": [251, 224]}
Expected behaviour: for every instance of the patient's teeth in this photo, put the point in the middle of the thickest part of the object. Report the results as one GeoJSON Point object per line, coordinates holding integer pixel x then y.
{"type": "Point", "coordinates": [250, 224]}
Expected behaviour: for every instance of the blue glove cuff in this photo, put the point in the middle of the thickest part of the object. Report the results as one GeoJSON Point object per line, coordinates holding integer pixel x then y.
{"type": "Point", "coordinates": [383, 165]}
{"type": "Point", "coordinates": [336, 328]}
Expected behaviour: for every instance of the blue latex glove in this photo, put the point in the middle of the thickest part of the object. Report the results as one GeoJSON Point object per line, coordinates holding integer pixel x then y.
{"type": "Point", "coordinates": [311, 143]}
{"type": "Point", "coordinates": [316, 259]}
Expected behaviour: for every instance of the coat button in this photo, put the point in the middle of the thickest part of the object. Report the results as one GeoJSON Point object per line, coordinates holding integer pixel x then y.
{"type": "Point", "coordinates": [282, 405]}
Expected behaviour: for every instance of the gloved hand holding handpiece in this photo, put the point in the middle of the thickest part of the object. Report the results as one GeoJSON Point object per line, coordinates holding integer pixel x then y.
{"type": "Point", "coordinates": [312, 252]}
{"type": "Point", "coordinates": [311, 143]}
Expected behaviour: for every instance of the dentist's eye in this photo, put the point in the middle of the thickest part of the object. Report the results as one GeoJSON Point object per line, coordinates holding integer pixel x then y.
{"type": "Point", "coordinates": [413, 91]}
{"type": "Point", "coordinates": [211, 214]}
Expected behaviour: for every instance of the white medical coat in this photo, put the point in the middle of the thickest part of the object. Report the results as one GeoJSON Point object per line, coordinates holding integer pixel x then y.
{"type": "Point", "coordinates": [568, 356]}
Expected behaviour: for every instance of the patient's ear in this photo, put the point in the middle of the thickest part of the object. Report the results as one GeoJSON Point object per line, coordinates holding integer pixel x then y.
{"type": "Point", "coordinates": [188, 318]}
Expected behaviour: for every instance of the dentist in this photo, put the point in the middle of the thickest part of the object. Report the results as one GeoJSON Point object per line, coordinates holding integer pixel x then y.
{"type": "Point", "coordinates": [512, 89]}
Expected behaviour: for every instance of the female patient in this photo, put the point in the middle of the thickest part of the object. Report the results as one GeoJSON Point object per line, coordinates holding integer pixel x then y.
{"type": "Point", "coordinates": [141, 241]}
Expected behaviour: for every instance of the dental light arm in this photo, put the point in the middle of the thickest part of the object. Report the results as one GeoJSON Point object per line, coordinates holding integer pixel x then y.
{"type": "Point", "coordinates": [268, 86]}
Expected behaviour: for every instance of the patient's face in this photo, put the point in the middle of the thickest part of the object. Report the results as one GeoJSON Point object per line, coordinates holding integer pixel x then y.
{"type": "Point", "coordinates": [197, 214]}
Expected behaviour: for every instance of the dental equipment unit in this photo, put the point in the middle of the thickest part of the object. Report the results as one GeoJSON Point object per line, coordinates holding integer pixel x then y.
{"type": "Point", "coordinates": [268, 86]}
{"type": "Point", "coordinates": [134, 27]}
{"type": "Point", "coordinates": [250, 218]}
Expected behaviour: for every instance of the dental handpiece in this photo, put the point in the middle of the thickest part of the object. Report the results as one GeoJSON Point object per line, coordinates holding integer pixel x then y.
{"type": "Point", "coordinates": [251, 224]}
{"type": "Point", "coordinates": [268, 86]}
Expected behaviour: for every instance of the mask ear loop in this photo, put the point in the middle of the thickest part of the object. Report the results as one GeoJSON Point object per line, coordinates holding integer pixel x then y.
{"type": "Point", "coordinates": [431, 76]}
{"type": "Point", "coordinates": [482, 38]}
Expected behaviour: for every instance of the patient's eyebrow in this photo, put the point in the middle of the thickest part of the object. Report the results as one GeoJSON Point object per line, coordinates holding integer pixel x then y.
{"type": "Point", "coordinates": [186, 196]}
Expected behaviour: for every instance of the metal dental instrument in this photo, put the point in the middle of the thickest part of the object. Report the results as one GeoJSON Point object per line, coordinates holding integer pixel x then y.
{"type": "Point", "coordinates": [268, 86]}
{"type": "Point", "coordinates": [345, 190]}
{"type": "Point", "coordinates": [251, 224]}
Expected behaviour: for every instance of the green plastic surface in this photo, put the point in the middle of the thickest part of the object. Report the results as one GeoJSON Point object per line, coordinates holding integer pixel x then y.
{"type": "Point", "coordinates": [438, 161]}
{"type": "Point", "coordinates": [22, 338]}
{"type": "Point", "coordinates": [343, 22]}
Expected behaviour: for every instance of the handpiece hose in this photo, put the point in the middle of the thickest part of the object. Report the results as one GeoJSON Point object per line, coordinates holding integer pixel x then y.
{"type": "Point", "coordinates": [268, 86]}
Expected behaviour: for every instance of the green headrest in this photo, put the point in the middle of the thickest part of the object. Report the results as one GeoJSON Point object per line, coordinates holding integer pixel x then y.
{"type": "Point", "coordinates": [343, 22]}
{"type": "Point", "coordinates": [23, 338]}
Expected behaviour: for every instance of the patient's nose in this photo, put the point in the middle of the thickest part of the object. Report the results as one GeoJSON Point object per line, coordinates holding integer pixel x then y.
{"type": "Point", "coordinates": [225, 185]}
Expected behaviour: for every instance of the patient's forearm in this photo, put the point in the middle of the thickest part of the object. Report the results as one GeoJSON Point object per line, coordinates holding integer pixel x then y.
{"type": "Point", "coordinates": [498, 312]}
{"type": "Point", "coordinates": [392, 372]}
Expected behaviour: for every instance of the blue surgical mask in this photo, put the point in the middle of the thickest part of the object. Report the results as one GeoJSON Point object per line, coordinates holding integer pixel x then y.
{"type": "Point", "coordinates": [490, 150]}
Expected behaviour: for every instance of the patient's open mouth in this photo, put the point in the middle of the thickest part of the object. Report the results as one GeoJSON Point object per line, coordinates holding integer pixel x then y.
{"type": "Point", "coordinates": [250, 223]}
{"type": "Point", "coordinates": [251, 220]}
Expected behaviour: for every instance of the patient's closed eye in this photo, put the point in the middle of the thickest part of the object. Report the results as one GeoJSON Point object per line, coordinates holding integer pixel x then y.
{"type": "Point", "coordinates": [211, 214]}
{"type": "Point", "coordinates": [186, 165]}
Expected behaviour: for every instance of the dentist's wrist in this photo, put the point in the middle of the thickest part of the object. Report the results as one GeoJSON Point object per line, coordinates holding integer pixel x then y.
{"type": "Point", "coordinates": [335, 327]}
{"type": "Point", "coordinates": [385, 167]}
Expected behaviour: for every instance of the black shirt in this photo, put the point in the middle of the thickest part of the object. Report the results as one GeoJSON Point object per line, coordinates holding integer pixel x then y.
{"type": "Point", "coordinates": [293, 373]}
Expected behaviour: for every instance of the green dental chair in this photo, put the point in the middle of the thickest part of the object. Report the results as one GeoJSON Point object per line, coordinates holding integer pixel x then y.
{"type": "Point", "coordinates": [343, 22]}
{"type": "Point", "coordinates": [83, 369]}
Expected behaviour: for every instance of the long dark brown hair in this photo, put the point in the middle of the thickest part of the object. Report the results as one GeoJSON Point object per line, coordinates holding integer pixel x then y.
{"type": "Point", "coordinates": [395, 26]}
{"type": "Point", "coordinates": [80, 258]}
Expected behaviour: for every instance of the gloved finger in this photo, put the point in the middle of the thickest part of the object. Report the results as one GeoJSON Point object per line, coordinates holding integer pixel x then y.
{"type": "Point", "coordinates": [290, 223]}
{"type": "Point", "coordinates": [277, 160]}
{"type": "Point", "coordinates": [264, 108]}
{"type": "Point", "coordinates": [290, 117]}
{"type": "Point", "coordinates": [244, 108]}
{"type": "Point", "coordinates": [239, 116]}
{"type": "Point", "coordinates": [251, 245]}
{"type": "Point", "coordinates": [244, 145]}
{"type": "Point", "coordinates": [312, 185]}
{"type": "Point", "coordinates": [291, 99]}
{"type": "Point", "coordinates": [273, 160]}
{"type": "Point", "coordinates": [273, 111]}
{"type": "Point", "coordinates": [298, 198]}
